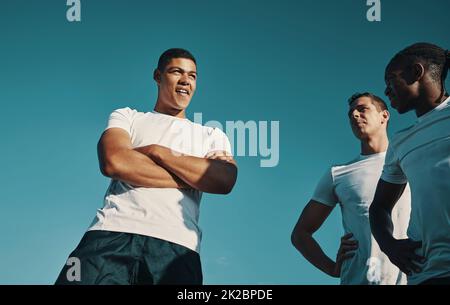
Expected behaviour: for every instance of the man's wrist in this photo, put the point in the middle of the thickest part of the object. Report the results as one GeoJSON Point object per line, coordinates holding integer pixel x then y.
{"type": "Point", "coordinates": [142, 150]}
{"type": "Point", "coordinates": [154, 152]}
{"type": "Point", "coordinates": [331, 269]}
{"type": "Point", "coordinates": [387, 243]}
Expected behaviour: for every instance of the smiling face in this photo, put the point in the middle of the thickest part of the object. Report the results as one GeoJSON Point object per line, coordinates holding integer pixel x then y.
{"type": "Point", "coordinates": [176, 86]}
{"type": "Point", "coordinates": [366, 119]}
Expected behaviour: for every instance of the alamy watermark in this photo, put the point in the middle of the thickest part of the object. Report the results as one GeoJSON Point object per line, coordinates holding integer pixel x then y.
{"type": "Point", "coordinates": [374, 270]}
{"type": "Point", "coordinates": [242, 139]}
{"type": "Point", "coordinates": [374, 12]}
{"type": "Point", "coordinates": [258, 136]}
{"type": "Point", "coordinates": [74, 11]}
{"type": "Point", "coordinates": [73, 273]}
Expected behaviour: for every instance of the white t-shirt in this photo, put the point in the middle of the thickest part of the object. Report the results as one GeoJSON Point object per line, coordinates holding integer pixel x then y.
{"type": "Point", "coordinates": [353, 186]}
{"type": "Point", "coordinates": [167, 213]}
{"type": "Point", "coordinates": [420, 155]}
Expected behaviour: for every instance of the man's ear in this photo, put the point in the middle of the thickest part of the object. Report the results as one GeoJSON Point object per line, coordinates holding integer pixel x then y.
{"type": "Point", "coordinates": [413, 73]}
{"type": "Point", "coordinates": [386, 116]}
{"type": "Point", "coordinates": [157, 76]}
{"type": "Point", "coordinates": [417, 71]}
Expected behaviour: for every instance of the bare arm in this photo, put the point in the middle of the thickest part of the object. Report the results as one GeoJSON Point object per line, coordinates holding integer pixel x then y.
{"type": "Point", "coordinates": [311, 219]}
{"type": "Point", "coordinates": [119, 161]}
{"type": "Point", "coordinates": [216, 174]}
{"type": "Point", "coordinates": [386, 196]}
{"type": "Point", "coordinates": [400, 252]}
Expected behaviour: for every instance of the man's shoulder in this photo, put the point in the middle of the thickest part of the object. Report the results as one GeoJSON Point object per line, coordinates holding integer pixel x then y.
{"type": "Point", "coordinates": [401, 134]}
{"type": "Point", "coordinates": [439, 115]}
{"type": "Point", "coordinates": [127, 111]}
{"type": "Point", "coordinates": [345, 164]}
{"type": "Point", "coordinates": [358, 165]}
{"type": "Point", "coordinates": [208, 130]}
{"type": "Point", "coordinates": [333, 168]}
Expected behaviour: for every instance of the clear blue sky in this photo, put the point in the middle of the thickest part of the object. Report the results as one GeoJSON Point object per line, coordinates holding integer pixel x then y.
{"type": "Point", "coordinates": [296, 62]}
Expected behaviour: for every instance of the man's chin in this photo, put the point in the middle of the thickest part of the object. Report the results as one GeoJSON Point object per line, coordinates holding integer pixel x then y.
{"type": "Point", "coordinates": [182, 103]}
{"type": "Point", "coordinates": [359, 134]}
{"type": "Point", "coordinates": [403, 106]}
{"type": "Point", "coordinates": [402, 110]}
{"type": "Point", "coordinates": [181, 107]}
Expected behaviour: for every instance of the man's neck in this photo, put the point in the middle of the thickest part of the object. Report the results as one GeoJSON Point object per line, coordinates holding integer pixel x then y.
{"type": "Point", "coordinates": [430, 100]}
{"type": "Point", "coordinates": [374, 145]}
{"type": "Point", "coordinates": [169, 111]}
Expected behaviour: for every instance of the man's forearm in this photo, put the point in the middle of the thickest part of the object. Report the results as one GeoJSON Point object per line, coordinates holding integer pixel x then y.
{"type": "Point", "coordinates": [312, 251]}
{"type": "Point", "coordinates": [206, 175]}
{"type": "Point", "coordinates": [135, 168]}
{"type": "Point", "coordinates": [381, 225]}
{"type": "Point", "coordinates": [386, 196]}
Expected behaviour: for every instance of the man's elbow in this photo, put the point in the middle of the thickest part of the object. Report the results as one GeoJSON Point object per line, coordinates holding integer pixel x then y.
{"type": "Point", "coordinates": [225, 188]}
{"type": "Point", "coordinates": [294, 238]}
{"type": "Point", "coordinates": [110, 167]}
{"type": "Point", "coordinates": [107, 169]}
{"type": "Point", "coordinates": [375, 212]}
{"type": "Point", "coordinates": [297, 236]}
{"type": "Point", "coordinates": [371, 209]}
{"type": "Point", "coordinates": [374, 208]}
{"type": "Point", "coordinates": [229, 182]}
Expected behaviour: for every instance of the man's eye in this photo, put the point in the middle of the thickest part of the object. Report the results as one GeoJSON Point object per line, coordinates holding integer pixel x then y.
{"type": "Point", "coordinates": [193, 76]}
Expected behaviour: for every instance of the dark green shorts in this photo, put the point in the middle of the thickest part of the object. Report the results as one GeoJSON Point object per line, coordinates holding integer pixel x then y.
{"type": "Point", "coordinates": [115, 258]}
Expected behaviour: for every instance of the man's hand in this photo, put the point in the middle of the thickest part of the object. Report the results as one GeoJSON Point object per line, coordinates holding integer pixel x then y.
{"type": "Point", "coordinates": [214, 174]}
{"type": "Point", "coordinates": [219, 155]}
{"type": "Point", "coordinates": [401, 252]}
{"type": "Point", "coordinates": [153, 150]}
{"type": "Point", "coordinates": [344, 253]}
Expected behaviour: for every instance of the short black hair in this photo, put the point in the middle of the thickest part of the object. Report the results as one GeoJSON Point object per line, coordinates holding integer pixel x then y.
{"type": "Point", "coordinates": [169, 54]}
{"type": "Point", "coordinates": [376, 100]}
{"type": "Point", "coordinates": [434, 58]}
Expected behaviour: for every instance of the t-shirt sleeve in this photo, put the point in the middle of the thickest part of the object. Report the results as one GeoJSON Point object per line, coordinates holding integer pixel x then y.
{"type": "Point", "coordinates": [121, 118]}
{"type": "Point", "coordinates": [219, 142]}
{"type": "Point", "coordinates": [392, 172]}
{"type": "Point", "coordinates": [324, 192]}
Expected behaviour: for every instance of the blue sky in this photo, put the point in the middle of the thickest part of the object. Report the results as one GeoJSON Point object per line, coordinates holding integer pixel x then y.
{"type": "Point", "coordinates": [295, 62]}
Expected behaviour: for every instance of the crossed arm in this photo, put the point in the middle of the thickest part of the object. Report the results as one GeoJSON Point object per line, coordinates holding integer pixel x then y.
{"type": "Point", "coordinates": [158, 167]}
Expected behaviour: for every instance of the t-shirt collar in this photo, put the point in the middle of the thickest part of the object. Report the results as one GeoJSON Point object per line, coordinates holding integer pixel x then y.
{"type": "Point", "coordinates": [437, 108]}
{"type": "Point", "coordinates": [167, 115]}
{"type": "Point", "coordinates": [380, 154]}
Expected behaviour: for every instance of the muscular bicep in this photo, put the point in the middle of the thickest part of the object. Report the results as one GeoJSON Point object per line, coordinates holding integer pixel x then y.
{"type": "Point", "coordinates": [387, 195]}
{"type": "Point", "coordinates": [313, 216]}
{"type": "Point", "coordinates": [112, 141]}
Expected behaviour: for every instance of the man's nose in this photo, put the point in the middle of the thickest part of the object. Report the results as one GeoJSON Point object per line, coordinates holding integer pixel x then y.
{"type": "Point", "coordinates": [184, 80]}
